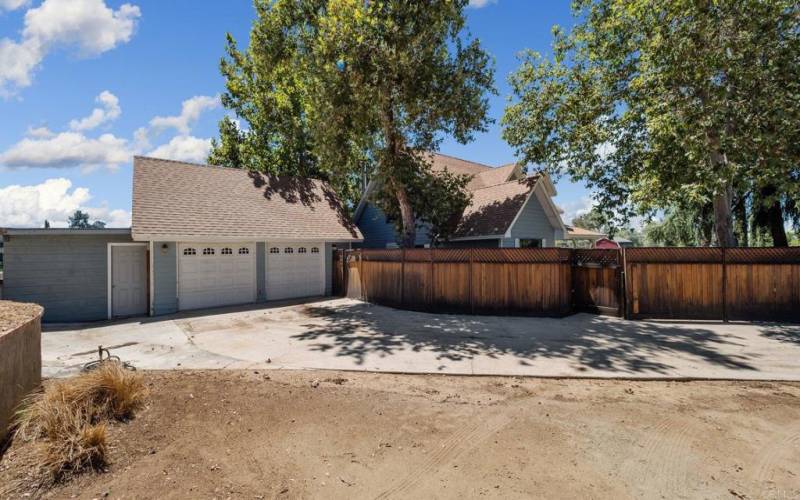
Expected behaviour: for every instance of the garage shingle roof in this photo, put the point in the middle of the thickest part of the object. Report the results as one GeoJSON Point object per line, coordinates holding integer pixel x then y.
{"type": "Point", "coordinates": [180, 201]}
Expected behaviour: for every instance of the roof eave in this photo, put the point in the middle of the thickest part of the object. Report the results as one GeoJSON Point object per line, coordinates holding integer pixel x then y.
{"type": "Point", "coordinates": [239, 238]}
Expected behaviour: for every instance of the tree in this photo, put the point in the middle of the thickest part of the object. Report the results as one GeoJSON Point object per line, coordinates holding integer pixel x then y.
{"type": "Point", "coordinates": [329, 85]}
{"type": "Point", "coordinates": [46, 224]}
{"type": "Point", "coordinates": [592, 220]}
{"type": "Point", "coordinates": [438, 200]}
{"type": "Point", "coordinates": [683, 227]}
{"type": "Point", "coordinates": [78, 220]}
{"type": "Point", "coordinates": [666, 103]}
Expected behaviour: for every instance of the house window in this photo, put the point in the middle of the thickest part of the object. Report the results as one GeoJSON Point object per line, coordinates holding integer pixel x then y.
{"type": "Point", "coordinates": [314, 250]}
{"type": "Point", "coordinates": [189, 251]}
{"type": "Point", "coordinates": [301, 250]}
{"type": "Point", "coordinates": [226, 251]}
{"type": "Point", "coordinates": [208, 251]}
{"type": "Point", "coordinates": [527, 243]}
{"type": "Point", "coordinates": [288, 250]}
{"type": "Point", "coordinates": [244, 251]}
{"type": "Point", "coordinates": [274, 250]}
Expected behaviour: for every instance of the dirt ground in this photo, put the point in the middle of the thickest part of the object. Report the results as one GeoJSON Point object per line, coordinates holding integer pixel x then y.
{"type": "Point", "coordinates": [293, 434]}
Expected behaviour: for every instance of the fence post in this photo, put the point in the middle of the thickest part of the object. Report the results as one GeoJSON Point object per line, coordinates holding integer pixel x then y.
{"type": "Point", "coordinates": [361, 275]}
{"type": "Point", "coordinates": [724, 286]}
{"type": "Point", "coordinates": [471, 303]}
{"type": "Point", "coordinates": [402, 276]}
{"type": "Point", "coordinates": [624, 285]}
{"type": "Point", "coordinates": [431, 294]}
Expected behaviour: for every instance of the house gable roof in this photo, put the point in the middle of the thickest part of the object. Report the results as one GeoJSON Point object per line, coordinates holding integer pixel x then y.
{"type": "Point", "coordinates": [185, 201]}
{"type": "Point", "coordinates": [498, 195]}
{"type": "Point", "coordinates": [494, 208]}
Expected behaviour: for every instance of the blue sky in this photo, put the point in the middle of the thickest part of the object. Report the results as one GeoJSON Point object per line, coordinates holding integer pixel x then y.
{"type": "Point", "coordinates": [84, 84]}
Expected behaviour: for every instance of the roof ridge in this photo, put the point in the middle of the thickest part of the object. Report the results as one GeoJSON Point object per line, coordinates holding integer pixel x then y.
{"type": "Point", "coordinates": [519, 181]}
{"type": "Point", "coordinates": [182, 162]}
{"type": "Point", "coordinates": [220, 167]}
{"type": "Point", "coordinates": [462, 159]}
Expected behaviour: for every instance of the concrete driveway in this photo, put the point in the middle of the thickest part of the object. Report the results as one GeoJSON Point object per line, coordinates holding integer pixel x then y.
{"type": "Point", "coordinates": [344, 334]}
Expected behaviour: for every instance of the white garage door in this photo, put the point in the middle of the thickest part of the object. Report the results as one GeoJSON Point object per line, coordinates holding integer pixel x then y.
{"type": "Point", "coordinates": [295, 270]}
{"type": "Point", "coordinates": [212, 275]}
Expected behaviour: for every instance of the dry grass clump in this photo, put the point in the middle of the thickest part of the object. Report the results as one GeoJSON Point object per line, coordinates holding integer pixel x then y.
{"type": "Point", "coordinates": [68, 417]}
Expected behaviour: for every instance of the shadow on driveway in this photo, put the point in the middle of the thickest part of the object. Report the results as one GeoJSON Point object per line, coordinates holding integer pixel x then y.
{"type": "Point", "coordinates": [358, 330]}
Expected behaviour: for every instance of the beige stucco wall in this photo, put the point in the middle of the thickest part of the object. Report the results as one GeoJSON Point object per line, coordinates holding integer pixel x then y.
{"type": "Point", "coordinates": [20, 359]}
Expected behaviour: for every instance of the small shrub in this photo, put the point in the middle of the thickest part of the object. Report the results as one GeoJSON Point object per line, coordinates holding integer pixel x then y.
{"type": "Point", "coordinates": [68, 417]}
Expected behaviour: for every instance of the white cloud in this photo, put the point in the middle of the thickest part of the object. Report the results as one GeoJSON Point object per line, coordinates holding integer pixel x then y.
{"type": "Point", "coordinates": [13, 4]}
{"type": "Point", "coordinates": [89, 25]}
{"type": "Point", "coordinates": [39, 132]}
{"type": "Point", "coordinates": [68, 149]}
{"type": "Point", "coordinates": [110, 111]}
{"type": "Point", "coordinates": [477, 4]}
{"type": "Point", "coordinates": [184, 148]}
{"type": "Point", "coordinates": [575, 208]}
{"type": "Point", "coordinates": [191, 109]}
{"type": "Point", "coordinates": [53, 200]}
{"type": "Point", "coordinates": [17, 61]}
{"type": "Point", "coordinates": [43, 148]}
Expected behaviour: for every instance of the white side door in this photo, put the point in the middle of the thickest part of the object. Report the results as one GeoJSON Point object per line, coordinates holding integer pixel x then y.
{"type": "Point", "coordinates": [295, 270]}
{"type": "Point", "coordinates": [214, 274]}
{"type": "Point", "coordinates": [128, 280]}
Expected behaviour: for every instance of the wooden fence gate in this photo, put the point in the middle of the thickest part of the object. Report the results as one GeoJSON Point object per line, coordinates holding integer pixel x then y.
{"type": "Point", "coordinates": [597, 281]}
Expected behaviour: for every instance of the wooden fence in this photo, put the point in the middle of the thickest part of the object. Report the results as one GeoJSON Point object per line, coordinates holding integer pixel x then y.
{"type": "Point", "coordinates": [480, 281]}
{"type": "Point", "coordinates": [713, 283]}
{"type": "Point", "coordinates": [666, 283]}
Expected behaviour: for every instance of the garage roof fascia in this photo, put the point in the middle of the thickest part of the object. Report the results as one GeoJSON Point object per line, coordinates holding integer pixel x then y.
{"type": "Point", "coordinates": [235, 239]}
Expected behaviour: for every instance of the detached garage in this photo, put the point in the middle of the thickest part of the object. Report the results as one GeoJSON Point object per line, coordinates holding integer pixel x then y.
{"type": "Point", "coordinates": [201, 237]}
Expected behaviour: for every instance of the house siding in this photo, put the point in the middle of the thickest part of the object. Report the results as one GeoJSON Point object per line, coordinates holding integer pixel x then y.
{"type": "Point", "coordinates": [165, 277]}
{"type": "Point", "coordinates": [532, 223]}
{"type": "Point", "coordinates": [66, 274]}
{"type": "Point", "coordinates": [378, 233]}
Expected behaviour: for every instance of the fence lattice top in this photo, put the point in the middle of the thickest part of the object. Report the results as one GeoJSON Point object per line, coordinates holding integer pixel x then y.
{"type": "Point", "coordinates": [484, 255]}
{"type": "Point", "coordinates": [581, 257]}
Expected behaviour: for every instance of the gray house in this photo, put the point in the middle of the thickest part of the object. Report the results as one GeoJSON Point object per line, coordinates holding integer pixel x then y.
{"type": "Point", "coordinates": [508, 209]}
{"type": "Point", "coordinates": [201, 237]}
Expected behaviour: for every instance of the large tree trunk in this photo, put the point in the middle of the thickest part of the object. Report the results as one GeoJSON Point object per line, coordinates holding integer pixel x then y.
{"type": "Point", "coordinates": [409, 236]}
{"type": "Point", "coordinates": [394, 146]}
{"type": "Point", "coordinates": [773, 216]}
{"type": "Point", "coordinates": [723, 217]}
{"type": "Point", "coordinates": [741, 219]}
{"type": "Point", "coordinates": [723, 220]}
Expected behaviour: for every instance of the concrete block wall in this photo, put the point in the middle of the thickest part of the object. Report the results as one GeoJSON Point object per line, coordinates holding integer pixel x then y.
{"type": "Point", "coordinates": [20, 362]}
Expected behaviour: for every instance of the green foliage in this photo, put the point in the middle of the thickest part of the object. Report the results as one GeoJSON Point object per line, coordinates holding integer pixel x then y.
{"type": "Point", "coordinates": [79, 220]}
{"type": "Point", "coordinates": [329, 86]}
{"type": "Point", "coordinates": [688, 227]}
{"type": "Point", "coordinates": [592, 220]}
{"type": "Point", "coordinates": [666, 103]}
